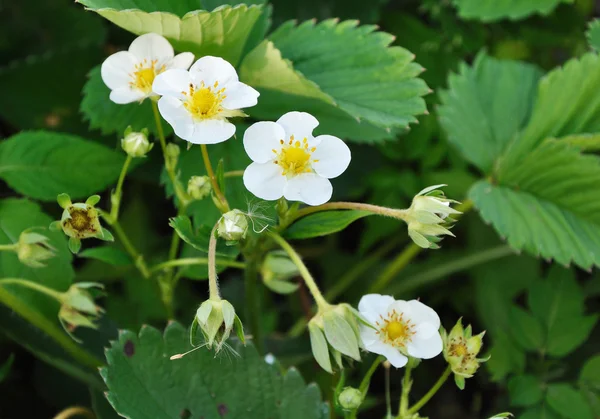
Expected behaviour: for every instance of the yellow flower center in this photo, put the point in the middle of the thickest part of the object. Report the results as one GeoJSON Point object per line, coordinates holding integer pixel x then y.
{"type": "Point", "coordinates": [80, 220]}
{"type": "Point", "coordinates": [395, 330]}
{"type": "Point", "coordinates": [295, 157]}
{"type": "Point", "coordinates": [204, 102]}
{"type": "Point", "coordinates": [144, 75]}
{"type": "Point", "coordinates": [459, 349]}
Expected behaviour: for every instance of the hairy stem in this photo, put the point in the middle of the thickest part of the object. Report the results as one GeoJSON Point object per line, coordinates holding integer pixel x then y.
{"type": "Point", "coordinates": [434, 389]}
{"type": "Point", "coordinates": [213, 285]}
{"type": "Point", "coordinates": [252, 302]}
{"type": "Point", "coordinates": [116, 196]}
{"type": "Point", "coordinates": [197, 261]}
{"type": "Point", "coordinates": [34, 286]}
{"type": "Point", "coordinates": [213, 179]}
{"type": "Point", "coordinates": [9, 247]}
{"type": "Point", "coordinates": [406, 385]}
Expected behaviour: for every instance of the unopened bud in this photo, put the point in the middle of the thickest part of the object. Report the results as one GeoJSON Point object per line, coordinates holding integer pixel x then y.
{"type": "Point", "coordinates": [199, 187]}
{"type": "Point", "coordinates": [172, 156]}
{"type": "Point", "coordinates": [78, 308]}
{"type": "Point", "coordinates": [136, 144]}
{"type": "Point", "coordinates": [350, 398]}
{"type": "Point", "coordinates": [233, 226]}
{"type": "Point", "coordinates": [33, 249]}
{"type": "Point", "coordinates": [216, 319]}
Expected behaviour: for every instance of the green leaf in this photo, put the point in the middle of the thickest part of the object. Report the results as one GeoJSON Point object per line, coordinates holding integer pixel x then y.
{"type": "Point", "coordinates": [527, 330]}
{"type": "Point", "coordinates": [548, 205]}
{"type": "Point", "coordinates": [177, 7]}
{"type": "Point", "coordinates": [197, 239]}
{"type": "Point", "coordinates": [486, 105]}
{"type": "Point", "coordinates": [109, 117]}
{"type": "Point", "coordinates": [323, 223]}
{"type": "Point", "coordinates": [375, 85]}
{"type": "Point", "coordinates": [491, 10]}
{"type": "Point", "coordinates": [593, 34]}
{"type": "Point", "coordinates": [43, 164]}
{"type": "Point", "coordinates": [525, 390]}
{"type": "Point", "coordinates": [539, 412]}
{"type": "Point", "coordinates": [144, 383]}
{"type": "Point", "coordinates": [222, 32]}
{"type": "Point", "coordinates": [590, 373]}
{"type": "Point", "coordinates": [568, 402]}
{"type": "Point", "coordinates": [5, 367]}
{"type": "Point", "coordinates": [506, 357]}
{"type": "Point", "coordinates": [108, 254]}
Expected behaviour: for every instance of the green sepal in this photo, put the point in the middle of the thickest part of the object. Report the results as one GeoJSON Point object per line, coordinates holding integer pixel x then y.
{"type": "Point", "coordinates": [92, 200]}
{"type": "Point", "coordinates": [74, 245]}
{"type": "Point", "coordinates": [105, 235]}
{"type": "Point", "coordinates": [64, 200]}
{"type": "Point", "coordinates": [319, 347]}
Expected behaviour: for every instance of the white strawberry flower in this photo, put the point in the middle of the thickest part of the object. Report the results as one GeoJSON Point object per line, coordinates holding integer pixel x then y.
{"type": "Point", "coordinates": [130, 74]}
{"type": "Point", "coordinates": [288, 161]}
{"type": "Point", "coordinates": [198, 102]}
{"type": "Point", "coordinates": [400, 329]}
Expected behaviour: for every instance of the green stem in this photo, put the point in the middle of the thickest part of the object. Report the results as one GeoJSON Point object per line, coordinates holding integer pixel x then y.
{"type": "Point", "coordinates": [308, 279]}
{"type": "Point", "coordinates": [49, 328]}
{"type": "Point", "coordinates": [366, 381]}
{"type": "Point", "coordinates": [406, 385]}
{"type": "Point", "coordinates": [253, 310]}
{"type": "Point", "coordinates": [75, 411]}
{"type": "Point", "coordinates": [197, 261]}
{"type": "Point", "coordinates": [213, 179]}
{"type": "Point", "coordinates": [438, 384]}
{"type": "Point", "coordinates": [9, 247]}
{"type": "Point", "coordinates": [388, 396]}
{"type": "Point", "coordinates": [58, 296]}
{"type": "Point", "coordinates": [130, 248]}
{"type": "Point", "coordinates": [116, 196]}
{"type": "Point", "coordinates": [213, 285]}
{"type": "Point", "coordinates": [233, 173]}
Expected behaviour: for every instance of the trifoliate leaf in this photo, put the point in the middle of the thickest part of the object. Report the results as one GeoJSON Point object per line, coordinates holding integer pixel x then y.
{"type": "Point", "coordinates": [486, 105]}
{"type": "Point", "coordinates": [360, 77]}
{"type": "Point", "coordinates": [568, 402]}
{"type": "Point", "coordinates": [593, 34]}
{"type": "Point", "coordinates": [222, 32]}
{"type": "Point", "coordinates": [525, 390]}
{"type": "Point", "coordinates": [490, 10]}
{"type": "Point", "coordinates": [42, 164]}
{"type": "Point", "coordinates": [323, 223]}
{"type": "Point", "coordinates": [527, 330]}
{"type": "Point", "coordinates": [144, 384]}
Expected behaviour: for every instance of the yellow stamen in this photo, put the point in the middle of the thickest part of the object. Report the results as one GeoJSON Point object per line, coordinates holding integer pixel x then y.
{"type": "Point", "coordinates": [204, 102]}
{"type": "Point", "coordinates": [294, 157]}
{"type": "Point", "coordinates": [144, 75]}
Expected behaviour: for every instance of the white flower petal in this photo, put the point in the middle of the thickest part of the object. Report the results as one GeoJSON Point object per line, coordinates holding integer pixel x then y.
{"type": "Point", "coordinates": [183, 61]}
{"type": "Point", "coordinates": [117, 70]}
{"type": "Point", "coordinates": [368, 335]}
{"type": "Point", "coordinates": [211, 69]}
{"type": "Point", "coordinates": [333, 156]}
{"type": "Point", "coordinates": [420, 313]}
{"type": "Point", "coordinates": [172, 83]}
{"type": "Point", "coordinates": [375, 303]}
{"type": "Point", "coordinates": [211, 131]}
{"type": "Point", "coordinates": [261, 139]}
{"type": "Point", "coordinates": [151, 46]}
{"type": "Point", "coordinates": [240, 95]}
{"type": "Point", "coordinates": [425, 348]}
{"type": "Point", "coordinates": [124, 95]}
{"type": "Point", "coordinates": [309, 188]}
{"type": "Point", "coordinates": [298, 124]}
{"type": "Point", "coordinates": [177, 116]}
{"type": "Point", "coordinates": [265, 180]}
{"type": "Point", "coordinates": [392, 354]}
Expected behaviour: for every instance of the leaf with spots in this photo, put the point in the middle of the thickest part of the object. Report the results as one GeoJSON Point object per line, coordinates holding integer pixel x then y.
{"type": "Point", "coordinates": [144, 384]}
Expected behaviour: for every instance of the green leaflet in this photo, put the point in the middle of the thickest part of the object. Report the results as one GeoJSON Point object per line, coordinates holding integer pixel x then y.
{"type": "Point", "coordinates": [144, 383]}
{"type": "Point", "coordinates": [42, 164]}
{"type": "Point", "coordinates": [361, 96]}
{"type": "Point", "coordinates": [222, 32]}
{"type": "Point", "coordinates": [568, 402]}
{"type": "Point", "coordinates": [323, 223]}
{"type": "Point", "coordinates": [486, 105]}
{"type": "Point", "coordinates": [593, 34]}
{"type": "Point", "coordinates": [525, 390]}
{"type": "Point", "coordinates": [490, 10]}
{"type": "Point", "coordinates": [107, 254]}
{"type": "Point", "coordinates": [177, 7]}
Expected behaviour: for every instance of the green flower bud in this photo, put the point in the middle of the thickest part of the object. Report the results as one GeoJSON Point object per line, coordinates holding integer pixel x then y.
{"type": "Point", "coordinates": [334, 331]}
{"type": "Point", "coordinates": [216, 319]}
{"type": "Point", "coordinates": [136, 144]}
{"type": "Point", "coordinates": [428, 217]}
{"type": "Point", "coordinates": [199, 187]}
{"type": "Point", "coordinates": [233, 226]}
{"type": "Point", "coordinates": [33, 249]}
{"type": "Point", "coordinates": [172, 156]}
{"type": "Point", "coordinates": [78, 308]}
{"type": "Point", "coordinates": [80, 221]}
{"type": "Point", "coordinates": [460, 351]}
{"type": "Point", "coordinates": [350, 398]}
{"type": "Point", "coordinates": [277, 269]}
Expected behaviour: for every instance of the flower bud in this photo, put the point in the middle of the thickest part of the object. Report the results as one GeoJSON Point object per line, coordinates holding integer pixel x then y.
{"type": "Point", "coordinates": [428, 217]}
{"type": "Point", "coordinates": [80, 221]}
{"type": "Point", "coordinates": [334, 331]}
{"type": "Point", "coordinates": [216, 319]}
{"type": "Point", "coordinates": [78, 308]}
{"type": "Point", "coordinates": [233, 226]}
{"type": "Point", "coordinates": [350, 398]}
{"type": "Point", "coordinates": [33, 249]}
{"type": "Point", "coordinates": [460, 351]}
{"type": "Point", "coordinates": [172, 156]}
{"type": "Point", "coordinates": [136, 144]}
{"type": "Point", "coordinates": [199, 187]}
{"type": "Point", "coordinates": [276, 270]}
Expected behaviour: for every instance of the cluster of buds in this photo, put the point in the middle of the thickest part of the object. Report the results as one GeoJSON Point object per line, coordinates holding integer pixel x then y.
{"type": "Point", "coordinates": [80, 221]}
{"type": "Point", "coordinates": [78, 308]}
{"type": "Point", "coordinates": [334, 331]}
{"type": "Point", "coordinates": [460, 351]}
{"type": "Point", "coordinates": [33, 249]}
{"type": "Point", "coordinates": [233, 226]}
{"type": "Point", "coordinates": [136, 144]}
{"type": "Point", "coordinates": [199, 187]}
{"type": "Point", "coordinates": [277, 270]}
{"type": "Point", "coordinates": [428, 217]}
{"type": "Point", "coordinates": [216, 319]}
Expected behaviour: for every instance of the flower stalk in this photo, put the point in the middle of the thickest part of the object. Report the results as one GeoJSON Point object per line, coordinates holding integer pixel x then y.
{"type": "Point", "coordinates": [223, 204]}
{"type": "Point", "coordinates": [434, 389]}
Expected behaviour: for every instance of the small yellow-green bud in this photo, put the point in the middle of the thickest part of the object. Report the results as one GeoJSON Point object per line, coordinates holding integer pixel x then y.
{"type": "Point", "coordinates": [199, 187]}
{"type": "Point", "coordinates": [216, 319]}
{"type": "Point", "coordinates": [78, 308]}
{"type": "Point", "coordinates": [33, 249]}
{"type": "Point", "coordinates": [277, 269]}
{"type": "Point", "coordinates": [350, 398]}
{"type": "Point", "coordinates": [172, 156]}
{"type": "Point", "coordinates": [136, 144]}
{"type": "Point", "coordinates": [233, 226]}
